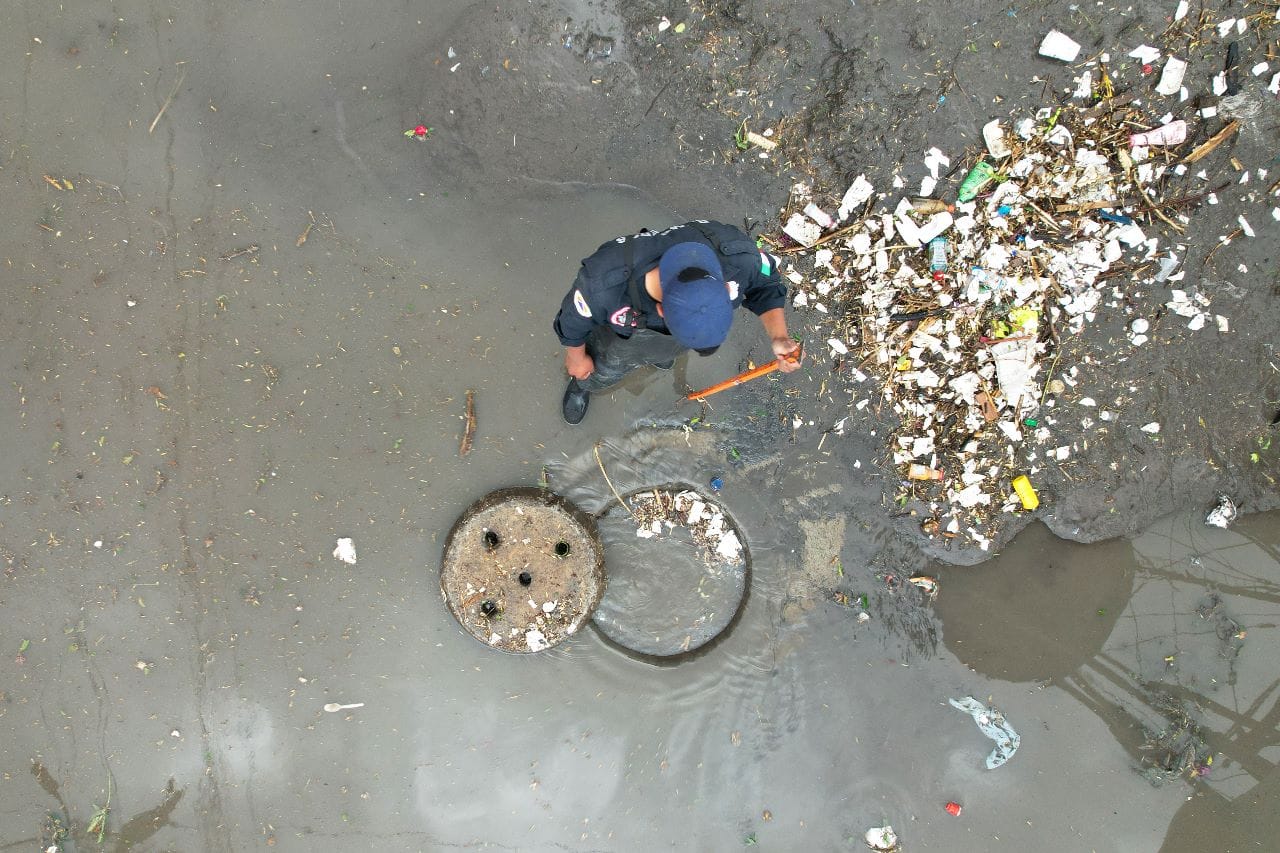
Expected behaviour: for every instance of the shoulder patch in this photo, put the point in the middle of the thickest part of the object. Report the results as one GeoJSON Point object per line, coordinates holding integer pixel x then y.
{"type": "Point", "coordinates": [580, 302]}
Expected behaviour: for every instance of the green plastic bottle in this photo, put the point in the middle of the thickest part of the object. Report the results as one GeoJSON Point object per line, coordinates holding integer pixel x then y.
{"type": "Point", "coordinates": [979, 176]}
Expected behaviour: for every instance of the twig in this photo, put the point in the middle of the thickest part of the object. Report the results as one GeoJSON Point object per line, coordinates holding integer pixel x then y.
{"type": "Point", "coordinates": [1205, 148]}
{"type": "Point", "coordinates": [168, 100]}
{"type": "Point", "coordinates": [302, 238]}
{"type": "Point", "coordinates": [596, 450]}
{"type": "Point", "coordinates": [827, 239]}
{"type": "Point", "coordinates": [469, 431]}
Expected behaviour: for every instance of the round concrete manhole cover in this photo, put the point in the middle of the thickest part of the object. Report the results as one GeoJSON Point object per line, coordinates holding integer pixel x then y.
{"type": "Point", "coordinates": [523, 569]}
{"type": "Point", "coordinates": [678, 569]}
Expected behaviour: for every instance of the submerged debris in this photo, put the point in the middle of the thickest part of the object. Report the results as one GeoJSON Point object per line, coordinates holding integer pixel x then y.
{"type": "Point", "coordinates": [1177, 750]}
{"type": "Point", "coordinates": [345, 551]}
{"type": "Point", "coordinates": [881, 838]}
{"type": "Point", "coordinates": [1224, 514]}
{"type": "Point", "coordinates": [992, 724]}
{"type": "Point", "coordinates": [660, 511]}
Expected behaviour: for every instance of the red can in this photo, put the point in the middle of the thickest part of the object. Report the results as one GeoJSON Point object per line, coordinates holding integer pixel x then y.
{"type": "Point", "coordinates": [953, 809]}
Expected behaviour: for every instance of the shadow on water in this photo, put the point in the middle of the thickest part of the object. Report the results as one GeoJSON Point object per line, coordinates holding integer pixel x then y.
{"type": "Point", "coordinates": [1168, 638]}
{"type": "Point", "coordinates": [1040, 609]}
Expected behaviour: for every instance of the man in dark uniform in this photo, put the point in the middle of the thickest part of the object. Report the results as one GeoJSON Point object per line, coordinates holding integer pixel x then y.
{"type": "Point", "coordinates": [645, 299]}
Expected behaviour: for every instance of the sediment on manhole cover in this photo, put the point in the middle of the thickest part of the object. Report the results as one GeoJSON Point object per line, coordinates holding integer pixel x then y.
{"type": "Point", "coordinates": [523, 569]}
{"type": "Point", "coordinates": [678, 570]}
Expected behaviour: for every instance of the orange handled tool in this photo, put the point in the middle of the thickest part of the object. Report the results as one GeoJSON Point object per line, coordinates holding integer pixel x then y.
{"type": "Point", "coordinates": [745, 376]}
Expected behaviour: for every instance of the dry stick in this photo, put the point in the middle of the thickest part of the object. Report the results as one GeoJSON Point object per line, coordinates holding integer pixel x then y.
{"type": "Point", "coordinates": [168, 100]}
{"type": "Point", "coordinates": [469, 431]}
{"type": "Point", "coordinates": [827, 239]}
{"type": "Point", "coordinates": [302, 238]}
{"type": "Point", "coordinates": [1234, 234]}
{"type": "Point", "coordinates": [596, 450]}
{"type": "Point", "coordinates": [1213, 142]}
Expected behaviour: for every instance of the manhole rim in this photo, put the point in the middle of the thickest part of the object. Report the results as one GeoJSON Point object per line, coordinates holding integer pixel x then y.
{"type": "Point", "coordinates": [682, 656]}
{"type": "Point", "coordinates": [537, 494]}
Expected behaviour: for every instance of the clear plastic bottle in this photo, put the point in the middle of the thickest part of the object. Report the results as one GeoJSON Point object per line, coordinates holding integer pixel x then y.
{"type": "Point", "coordinates": [938, 258]}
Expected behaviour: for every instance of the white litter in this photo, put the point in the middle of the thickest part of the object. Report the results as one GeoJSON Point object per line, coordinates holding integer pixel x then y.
{"type": "Point", "coordinates": [993, 135]}
{"type": "Point", "coordinates": [804, 231]}
{"type": "Point", "coordinates": [345, 551]}
{"type": "Point", "coordinates": [1171, 78]}
{"type": "Point", "coordinates": [1145, 53]}
{"type": "Point", "coordinates": [881, 838]}
{"type": "Point", "coordinates": [859, 192]}
{"type": "Point", "coordinates": [1224, 514]}
{"type": "Point", "coordinates": [1151, 429]}
{"type": "Point", "coordinates": [1058, 45]}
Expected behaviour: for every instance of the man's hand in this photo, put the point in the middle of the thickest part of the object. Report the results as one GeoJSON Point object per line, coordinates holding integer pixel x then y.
{"type": "Point", "coordinates": [788, 352]}
{"type": "Point", "coordinates": [786, 349]}
{"type": "Point", "coordinates": [578, 363]}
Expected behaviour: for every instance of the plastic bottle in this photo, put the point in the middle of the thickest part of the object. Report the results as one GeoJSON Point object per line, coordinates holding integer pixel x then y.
{"type": "Point", "coordinates": [938, 258]}
{"type": "Point", "coordinates": [1173, 133]}
{"type": "Point", "coordinates": [979, 176]}
{"type": "Point", "coordinates": [924, 204]}
{"type": "Point", "coordinates": [1026, 492]}
{"type": "Point", "coordinates": [923, 472]}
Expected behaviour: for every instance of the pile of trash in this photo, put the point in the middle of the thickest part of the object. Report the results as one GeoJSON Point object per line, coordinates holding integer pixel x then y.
{"type": "Point", "coordinates": [659, 511]}
{"type": "Point", "coordinates": [953, 314]}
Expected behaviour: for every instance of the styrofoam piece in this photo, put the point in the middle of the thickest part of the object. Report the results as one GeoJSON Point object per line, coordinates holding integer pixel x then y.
{"type": "Point", "coordinates": [1059, 45]}
{"type": "Point", "coordinates": [1171, 78]}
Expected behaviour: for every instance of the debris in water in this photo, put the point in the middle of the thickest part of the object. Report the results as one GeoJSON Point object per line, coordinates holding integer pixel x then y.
{"type": "Point", "coordinates": [346, 551]}
{"type": "Point", "coordinates": [927, 584]}
{"type": "Point", "coordinates": [469, 429]}
{"type": "Point", "coordinates": [334, 707]}
{"type": "Point", "coordinates": [657, 509]}
{"type": "Point", "coordinates": [1224, 514]}
{"type": "Point", "coordinates": [992, 724]}
{"type": "Point", "coordinates": [882, 838]}
{"type": "Point", "coordinates": [251, 249]}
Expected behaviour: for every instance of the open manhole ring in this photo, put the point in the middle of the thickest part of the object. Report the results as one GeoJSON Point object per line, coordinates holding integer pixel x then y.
{"type": "Point", "coordinates": [678, 571]}
{"type": "Point", "coordinates": [523, 569]}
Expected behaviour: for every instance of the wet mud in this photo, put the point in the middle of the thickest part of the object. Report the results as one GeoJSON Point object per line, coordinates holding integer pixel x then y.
{"type": "Point", "coordinates": [242, 318]}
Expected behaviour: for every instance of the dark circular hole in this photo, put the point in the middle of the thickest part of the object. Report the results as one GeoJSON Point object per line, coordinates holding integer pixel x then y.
{"type": "Point", "coordinates": [491, 540]}
{"type": "Point", "coordinates": [525, 578]}
{"type": "Point", "coordinates": [562, 549]}
{"type": "Point", "coordinates": [489, 607]}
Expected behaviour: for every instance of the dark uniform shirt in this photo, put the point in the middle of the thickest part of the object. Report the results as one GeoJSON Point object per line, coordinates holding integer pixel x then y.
{"type": "Point", "coordinates": [602, 294]}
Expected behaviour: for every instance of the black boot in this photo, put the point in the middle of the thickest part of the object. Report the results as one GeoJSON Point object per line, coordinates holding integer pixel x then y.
{"type": "Point", "coordinates": [574, 405]}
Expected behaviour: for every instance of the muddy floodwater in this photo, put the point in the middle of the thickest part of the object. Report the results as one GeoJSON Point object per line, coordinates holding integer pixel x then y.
{"type": "Point", "coordinates": [242, 315]}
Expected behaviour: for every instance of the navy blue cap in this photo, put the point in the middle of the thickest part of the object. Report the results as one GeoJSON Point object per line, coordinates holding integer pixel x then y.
{"type": "Point", "coordinates": [698, 313]}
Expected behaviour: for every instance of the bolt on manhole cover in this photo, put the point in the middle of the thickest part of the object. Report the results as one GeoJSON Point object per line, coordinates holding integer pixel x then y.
{"type": "Point", "coordinates": [523, 569]}
{"type": "Point", "coordinates": [678, 571]}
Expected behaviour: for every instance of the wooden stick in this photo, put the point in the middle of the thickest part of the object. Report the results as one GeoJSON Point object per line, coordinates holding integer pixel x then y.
{"type": "Point", "coordinates": [596, 450]}
{"type": "Point", "coordinates": [469, 431]}
{"type": "Point", "coordinates": [168, 100]}
{"type": "Point", "coordinates": [1206, 147]}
